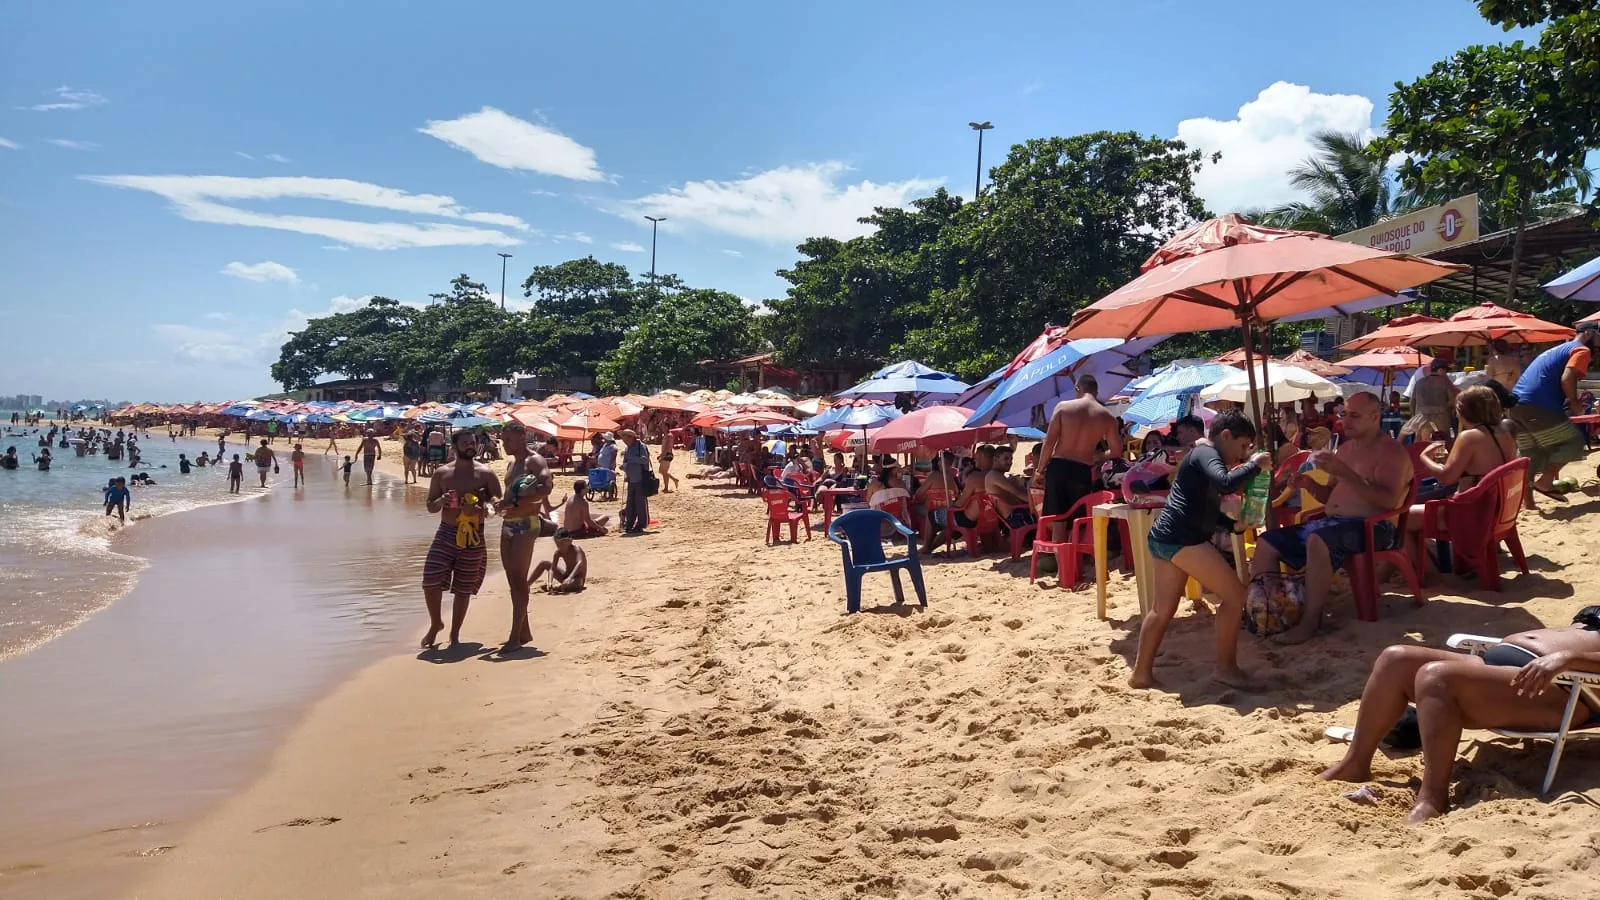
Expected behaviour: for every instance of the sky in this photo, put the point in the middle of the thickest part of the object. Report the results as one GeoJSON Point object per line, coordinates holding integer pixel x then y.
{"type": "Point", "coordinates": [183, 183]}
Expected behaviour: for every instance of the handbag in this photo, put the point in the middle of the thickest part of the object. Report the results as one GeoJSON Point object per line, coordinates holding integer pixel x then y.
{"type": "Point", "coordinates": [650, 483]}
{"type": "Point", "coordinates": [1274, 603]}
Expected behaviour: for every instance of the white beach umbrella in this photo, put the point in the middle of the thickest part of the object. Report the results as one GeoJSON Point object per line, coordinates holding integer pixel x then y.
{"type": "Point", "coordinates": [1286, 384]}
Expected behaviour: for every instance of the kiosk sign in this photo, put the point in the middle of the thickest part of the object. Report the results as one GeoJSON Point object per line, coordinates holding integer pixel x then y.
{"type": "Point", "coordinates": [1423, 231]}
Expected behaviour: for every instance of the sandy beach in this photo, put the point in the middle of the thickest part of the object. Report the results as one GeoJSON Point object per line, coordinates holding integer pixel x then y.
{"type": "Point", "coordinates": [705, 721]}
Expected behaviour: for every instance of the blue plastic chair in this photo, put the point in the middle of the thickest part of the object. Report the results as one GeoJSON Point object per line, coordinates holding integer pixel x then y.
{"type": "Point", "coordinates": [858, 534]}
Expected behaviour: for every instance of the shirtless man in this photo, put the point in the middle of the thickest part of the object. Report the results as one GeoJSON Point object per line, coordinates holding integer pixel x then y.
{"type": "Point", "coordinates": [966, 505]}
{"type": "Point", "coordinates": [935, 529]}
{"type": "Point", "coordinates": [1369, 474]}
{"type": "Point", "coordinates": [568, 566]}
{"type": "Point", "coordinates": [528, 485]}
{"type": "Point", "coordinates": [1071, 449]}
{"type": "Point", "coordinates": [371, 451]}
{"type": "Point", "coordinates": [1010, 495]}
{"type": "Point", "coordinates": [265, 460]}
{"type": "Point", "coordinates": [1510, 686]}
{"type": "Point", "coordinates": [456, 562]}
{"type": "Point", "coordinates": [578, 519]}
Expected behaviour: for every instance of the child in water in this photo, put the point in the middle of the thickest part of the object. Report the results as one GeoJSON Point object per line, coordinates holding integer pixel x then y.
{"type": "Point", "coordinates": [235, 475]}
{"type": "Point", "coordinates": [348, 462]}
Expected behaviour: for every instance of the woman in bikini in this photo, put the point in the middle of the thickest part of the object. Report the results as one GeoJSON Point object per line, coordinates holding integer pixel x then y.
{"type": "Point", "coordinates": [1485, 444]}
{"type": "Point", "coordinates": [664, 462]}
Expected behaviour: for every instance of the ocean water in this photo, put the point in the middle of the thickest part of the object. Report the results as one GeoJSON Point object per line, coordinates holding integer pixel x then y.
{"type": "Point", "coordinates": [57, 562]}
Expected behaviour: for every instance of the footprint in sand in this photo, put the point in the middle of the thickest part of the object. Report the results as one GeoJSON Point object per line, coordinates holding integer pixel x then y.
{"type": "Point", "coordinates": [298, 823]}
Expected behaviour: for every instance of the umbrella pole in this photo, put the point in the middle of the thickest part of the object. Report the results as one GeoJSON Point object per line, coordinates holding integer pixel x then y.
{"type": "Point", "coordinates": [1250, 374]}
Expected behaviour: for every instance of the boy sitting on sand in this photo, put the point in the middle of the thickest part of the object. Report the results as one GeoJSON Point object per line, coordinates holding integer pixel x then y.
{"type": "Point", "coordinates": [578, 521]}
{"type": "Point", "coordinates": [568, 566]}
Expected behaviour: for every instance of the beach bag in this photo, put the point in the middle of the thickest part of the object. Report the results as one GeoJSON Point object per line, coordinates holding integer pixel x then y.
{"type": "Point", "coordinates": [650, 483]}
{"type": "Point", "coordinates": [1146, 482]}
{"type": "Point", "coordinates": [1274, 603]}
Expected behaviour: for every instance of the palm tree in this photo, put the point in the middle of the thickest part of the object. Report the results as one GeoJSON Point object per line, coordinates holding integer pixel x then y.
{"type": "Point", "coordinates": [1347, 187]}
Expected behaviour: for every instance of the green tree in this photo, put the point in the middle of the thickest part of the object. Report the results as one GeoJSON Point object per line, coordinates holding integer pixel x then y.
{"type": "Point", "coordinates": [582, 309]}
{"type": "Point", "coordinates": [1495, 119]}
{"type": "Point", "coordinates": [362, 343]}
{"type": "Point", "coordinates": [1066, 221]}
{"type": "Point", "coordinates": [675, 334]}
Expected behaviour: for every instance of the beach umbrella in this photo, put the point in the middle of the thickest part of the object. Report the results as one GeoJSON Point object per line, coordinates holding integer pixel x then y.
{"type": "Point", "coordinates": [909, 377]}
{"type": "Point", "coordinates": [1283, 383]}
{"type": "Point", "coordinates": [662, 401]}
{"type": "Point", "coordinates": [1150, 411]}
{"type": "Point", "coordinates": [473, 422]}
{"type": "Point", "coordinates": [1396, 333]}
{"type": "Point", "coordinates": [853, 415]}
{"type": "Point", "coordinates": [1582, 283]}
{"type": "Point", "coordinates": [1479, 325]}
{"type": "Point", "coordinates": [1186, 380]}
{"type": "Point", "coordinates": [1388, 359]}
{"type": "Point", "coordinates": [1026, 433]}
{"type": "Point", "coordinates": [1049, 378]}
{"type": "Point", "coordinates": [1227, 273]}
{"type": "Point", "coordinates": [579, 426]}
{"type": "Point", "coordinates": [1314, 364]}
{"type": "Point", "coordinates": [933, 428]}
{"type": "Point", "coordinates": [756, 417]}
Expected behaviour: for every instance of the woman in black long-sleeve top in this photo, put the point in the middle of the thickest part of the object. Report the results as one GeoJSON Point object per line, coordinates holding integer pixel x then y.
{"type": "Point", "coordinates": [1180, 545]}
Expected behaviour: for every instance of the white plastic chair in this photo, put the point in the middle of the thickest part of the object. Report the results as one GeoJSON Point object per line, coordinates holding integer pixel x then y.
{"type": "Point", "coordinates": [1585, 683]}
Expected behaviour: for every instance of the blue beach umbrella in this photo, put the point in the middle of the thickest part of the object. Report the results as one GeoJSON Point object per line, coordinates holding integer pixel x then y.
{"type": "Point", "coordinates": [909, 377]}
{"type": "Point", "coordinates": [472, 422]}
{"type": "Point", "coordinates": [1045, 380]}
{"type": "Point", "coordinates": [1151, 411]}
{"type": "Point", "coordinates": [1026, 433]}
{"type": "Point", "coordinates": [1582, 283]}
{"type": "Point", "coordinates": [841, 418]}
{"type": "Point", "coordinates": [1184, 380]}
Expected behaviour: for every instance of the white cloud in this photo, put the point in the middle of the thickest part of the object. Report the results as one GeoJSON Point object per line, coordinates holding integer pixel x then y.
{"type": "Point", "coordinates": [9, 145]}
{"type": "Point", "coordinates": [503, 140]}
{"type": "Point", "coordinates": [262, 271]}
{"type": "Point", "coordinates": [538, 193]}
{"type": "Point", "coordinates": [74, 145]}
{"type": "Point", "coordinates": [65, 98]}
{"type": "Point", "coordinates": [277, 158]}
{"type": "Point", "coordinates": [733, 253]}
{"type": "Point", "coordinates": [243, 155]}
{"type": "Point", "coordinates": [217, 316]}
{"type": "Point", "coordinates": [628, 247]}
{"type": "Point", "coordinates": [195, 197]}
{"type": "Point", "coordinates": [578, 236]}
{"type": "Point", "coordinates": [210, 346]}
{"type": "Point", "coordinates": [1270, 135]}
{"type": "Point", "coordinates": [781, 205]}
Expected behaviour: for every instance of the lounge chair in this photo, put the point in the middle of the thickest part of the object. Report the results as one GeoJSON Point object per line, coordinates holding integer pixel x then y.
{"type": "Point", "coordinates": [1585, 683]}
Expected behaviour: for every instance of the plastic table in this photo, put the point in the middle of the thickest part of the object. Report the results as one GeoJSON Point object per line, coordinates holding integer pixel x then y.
{"type": "Point", "coordinates": [826, 496]}
{"type": "Point", "coordinates": [1139, 519]}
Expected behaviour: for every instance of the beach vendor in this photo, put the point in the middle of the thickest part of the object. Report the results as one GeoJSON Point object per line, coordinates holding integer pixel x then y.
{"type": "Point", "coordinates": [458, 559]}
{"type": "Point", "coordinates": [1547, 398]}
{"type": "Point", "coordinates": [1370, 473]}
{"type": "Point", "coordinates": [1508, 687]}
{"type": "Point", "coordinates": [528, 485]}
{"type": "Point", "coordinates": [1077, 429]}
{"type": "Point", "coordinates": [1181, 548]}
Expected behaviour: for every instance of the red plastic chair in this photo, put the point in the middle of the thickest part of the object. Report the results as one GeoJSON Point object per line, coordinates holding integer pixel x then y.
{"type": "Point", "coordinates": [1477, 521]}
{"type": "Point", "coordinates": [1362, 566]}
{"type": "Point", "coordinates": [780, 512]}
{"type": "Point", "coordinates": [986, 532]}
{"type": "Point", "coordinates": [900, 508]}
{"type": "Point", "coordinates": [1080, 539]}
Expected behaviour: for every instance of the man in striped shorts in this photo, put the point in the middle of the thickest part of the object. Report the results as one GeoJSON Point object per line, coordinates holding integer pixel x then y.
{"type": "Point", "coordinates": [462, 493]}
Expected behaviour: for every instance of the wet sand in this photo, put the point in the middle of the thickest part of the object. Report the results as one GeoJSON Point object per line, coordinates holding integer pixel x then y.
{"type": "Point", "coordinates": [121, 730]}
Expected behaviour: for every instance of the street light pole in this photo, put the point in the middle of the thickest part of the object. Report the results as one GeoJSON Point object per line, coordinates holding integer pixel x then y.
{"type": "Point", "coordinates": [503, 258]}
{"type": "Point", "coordinates": [654, 221]}
{"type": "Point", "coordinates": [977, 181]}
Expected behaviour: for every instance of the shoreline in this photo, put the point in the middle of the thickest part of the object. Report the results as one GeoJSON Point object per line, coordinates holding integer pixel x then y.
{"type": "Point", "coordinates": [92, 777]}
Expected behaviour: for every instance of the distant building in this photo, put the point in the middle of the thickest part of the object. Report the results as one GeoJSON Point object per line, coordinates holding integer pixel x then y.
{"type": "Point", "coordinates": [360, 390]}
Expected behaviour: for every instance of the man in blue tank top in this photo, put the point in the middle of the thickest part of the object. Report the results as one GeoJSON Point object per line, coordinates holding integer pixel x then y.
{"type": "Point", "coordinates": [1547, 398]}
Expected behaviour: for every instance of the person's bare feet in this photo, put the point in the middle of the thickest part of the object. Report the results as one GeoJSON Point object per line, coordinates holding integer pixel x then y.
{"type": "Point", "coordinates": [1344, 770]}
{"type": "Point", "coordinates": [1141, 679]}
{"type": "Point", "coordinates": [1299, 634]}
{"type": "Point", "coordinates": [1236, 678]}
{"type": "Point", "coordinates": [432, 637]}
{"type": "Point", "coordinates": [1422, 812]}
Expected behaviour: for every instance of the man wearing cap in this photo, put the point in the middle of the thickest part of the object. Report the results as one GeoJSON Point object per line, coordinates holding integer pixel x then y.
{"type": "Point", "coordinates": [1547, 398]}
{"type": "Point", "coordinates": [606, 456]}
{"type": "Point", "coordinates": [636, 465]}
{"type": "Point", "coordinates": [371, 452]}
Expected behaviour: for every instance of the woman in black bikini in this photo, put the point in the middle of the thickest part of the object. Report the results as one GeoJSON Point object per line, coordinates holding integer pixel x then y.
{"type": "Point", "coordinates": [1508, 687]}
{"type": "Point", "coordinates": [1485, 443]}
{"type": "Point", "coordinates": [664, 463]}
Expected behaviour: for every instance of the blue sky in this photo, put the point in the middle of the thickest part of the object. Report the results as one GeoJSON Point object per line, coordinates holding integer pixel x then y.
{"type": "Point", "coordinates": [182, 183]}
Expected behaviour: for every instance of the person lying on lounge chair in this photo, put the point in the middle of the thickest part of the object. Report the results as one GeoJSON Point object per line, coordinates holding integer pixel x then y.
{"type": "Point", "coordinates": [1508, 687]}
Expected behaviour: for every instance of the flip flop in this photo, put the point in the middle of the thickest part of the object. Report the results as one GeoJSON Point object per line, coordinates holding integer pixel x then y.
{"type": "Point", "coordinates": [1341, 734]}
{"type": "Point", "coordinates": [1553, 495]}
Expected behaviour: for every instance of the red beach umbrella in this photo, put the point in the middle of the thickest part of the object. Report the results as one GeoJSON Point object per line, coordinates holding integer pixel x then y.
{"type": "Point", "coordinates": [933, 428]}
